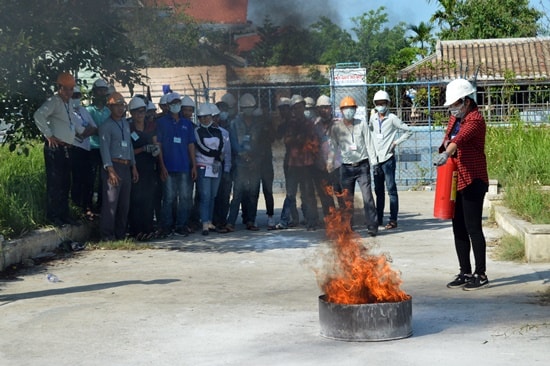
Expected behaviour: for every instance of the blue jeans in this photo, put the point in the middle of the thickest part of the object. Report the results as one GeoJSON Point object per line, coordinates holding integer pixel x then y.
{"type": "Point", "coordinates": [207, 188]}
{"type": "Point", "coordinates": [176, 189]}
{"type": "Point", "coordinates": [385, 173]}
{"type": "Point", "coordinates": [361, 174]}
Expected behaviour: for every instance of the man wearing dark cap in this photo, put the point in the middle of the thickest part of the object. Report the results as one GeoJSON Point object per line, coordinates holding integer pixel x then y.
{"type": "Point", "coordinates": [57, 122]}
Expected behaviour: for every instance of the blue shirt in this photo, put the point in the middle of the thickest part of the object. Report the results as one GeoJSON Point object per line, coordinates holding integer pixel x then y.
{"type": "Point", "coordinates": [99, 116]}
{"type": "Point", "coordinates": [175, 138]}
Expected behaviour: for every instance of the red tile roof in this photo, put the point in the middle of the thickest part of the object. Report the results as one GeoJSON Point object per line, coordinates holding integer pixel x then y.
{"type": "Point", "coordinates": [211, 11]}
{"type": "Point", "coordinates": [488, 60]}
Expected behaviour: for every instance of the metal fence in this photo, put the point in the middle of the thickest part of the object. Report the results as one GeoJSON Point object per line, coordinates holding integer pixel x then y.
{"type": "Point", "coordinates": [420, 105]}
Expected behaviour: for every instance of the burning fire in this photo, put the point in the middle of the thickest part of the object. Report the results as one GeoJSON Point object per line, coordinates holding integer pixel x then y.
{"type": "Point", "coordinates": [356, 276]}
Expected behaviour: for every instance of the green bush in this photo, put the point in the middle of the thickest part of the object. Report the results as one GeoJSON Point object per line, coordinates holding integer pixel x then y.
{"type": "Point", "coordinates": [517, 156]}
{"type": "Point", "coordinates": [22, 191]}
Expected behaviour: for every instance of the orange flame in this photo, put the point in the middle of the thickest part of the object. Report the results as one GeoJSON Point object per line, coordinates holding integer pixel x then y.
{"type": "Point", "coordinates": [357, 277]}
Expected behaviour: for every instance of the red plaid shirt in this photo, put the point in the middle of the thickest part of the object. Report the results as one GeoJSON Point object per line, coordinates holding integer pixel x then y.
{"type": "Point", "coordinates": [470, 155]}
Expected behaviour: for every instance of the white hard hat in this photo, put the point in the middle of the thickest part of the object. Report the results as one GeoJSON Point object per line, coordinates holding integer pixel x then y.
{"type": "Point", "coordinates": [186, 101]}
{"type": "Point", "coordinates": [323, 101]}
{"type": "Point", "coordinates": [296, 98]}
{"type": "Point", "coordinates": [247, 100]}
{"type": "Point", "coordinates": [283, 101]}
{"type": "Point", "coordinates": [381, 95]}
{"type": "Point", "coordinates": [162, 99]}
{"type": "Point", "coordinates": [215, 109]}
{"type": "Point", "coordinates": [229, 99]}
{"type": "Point", "coordinates": [136, 103]}
{"type": "Point", "coordinates": [204, 110]}
{"type": "Point", "coordinates": [151, 106]}
{"type": "Point", "coordinates": [170, 97]}
{"type": "Point", "coordinates": [458, 89]}
{"type": "Point", "coordinates": [310, 102]}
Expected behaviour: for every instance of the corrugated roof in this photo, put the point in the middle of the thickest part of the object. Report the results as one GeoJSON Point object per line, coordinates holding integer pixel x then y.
{"type": "Point", "coordinates": [488, 60]}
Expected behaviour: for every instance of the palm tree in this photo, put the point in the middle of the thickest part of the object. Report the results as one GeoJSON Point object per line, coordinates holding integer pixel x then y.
{"type": "Point", "coordinates": [423, 35]}
{"type": "Point", "coordinates": [446, 13]}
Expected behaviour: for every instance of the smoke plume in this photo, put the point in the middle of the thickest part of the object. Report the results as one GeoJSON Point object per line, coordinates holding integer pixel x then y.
{"type": "Point", "coordinates": [298, 13]}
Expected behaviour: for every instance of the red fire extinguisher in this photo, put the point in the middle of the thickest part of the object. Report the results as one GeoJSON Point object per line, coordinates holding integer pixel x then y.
{"type": "Point", "coordinates": [445, 190]}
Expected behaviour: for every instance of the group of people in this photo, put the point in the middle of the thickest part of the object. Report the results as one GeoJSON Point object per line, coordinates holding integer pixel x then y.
{"type": "Point", "coordinates": [162, 174]}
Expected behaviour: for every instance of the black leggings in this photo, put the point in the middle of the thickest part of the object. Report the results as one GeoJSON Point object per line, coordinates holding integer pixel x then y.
{"type": "Point", "coordinates": [467, 227]}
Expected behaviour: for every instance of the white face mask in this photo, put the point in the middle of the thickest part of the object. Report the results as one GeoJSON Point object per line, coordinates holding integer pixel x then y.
{"type": "Point", "coordinates": [75, 103]}
{"type": "Point", "coordinates": [457, 111]}
{"type": "Point", "coordinates": [309, 113]}
{"type": "Point", "coordinates": [381, 108]}
{"type": "Point", "coordinates": [349, 113]}
{"type": "Point", "coordinates": [224, 116]}
{"type": "Point", "coordinates": [175, 108]}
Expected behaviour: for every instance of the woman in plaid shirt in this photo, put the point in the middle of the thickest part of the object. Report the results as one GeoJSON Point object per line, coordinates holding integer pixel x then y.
{"type": "Point", "coordinates": [465, 142]}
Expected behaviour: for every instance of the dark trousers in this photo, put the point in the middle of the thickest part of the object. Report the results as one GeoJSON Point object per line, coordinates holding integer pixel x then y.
{"type": "Point", "coordinates": [467, 227]}
{"type": "Point", "coordinates": [142, 200]}
{"type": "Point", "coordinates": [221, 203]}
{"type": "Point", "coordinates": [300, 177]}
{"type": "Point", "coordinates": [58, 181]}
{"type": "Point", "coordinates": [246, 188]}
{"type": "Point", "coordinates": [82, 188]}
{"type": "Point", "coordinates": [359, 174]}
{"type": "Point", "coordinates": [327, 185]}
{"type": "Point", "coordinates": [96, 169]}
{"type": "Point", "coordinates": [385, 174]}
{"type": "Point", "coordinates": [116, 204]}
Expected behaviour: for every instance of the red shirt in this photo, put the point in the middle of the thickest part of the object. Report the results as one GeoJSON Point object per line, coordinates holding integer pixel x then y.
{"type": "Point", "coordinates": [470, 155]}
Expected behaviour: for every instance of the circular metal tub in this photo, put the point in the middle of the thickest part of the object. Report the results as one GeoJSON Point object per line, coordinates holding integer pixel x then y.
{"type": "Point", "coordinates": [365, 322]}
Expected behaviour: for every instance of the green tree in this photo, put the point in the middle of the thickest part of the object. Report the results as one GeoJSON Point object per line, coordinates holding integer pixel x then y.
{"type": "Point", "coordinates": [333, 44]}
{"type": "Point", "coordinates": [39, 39]}
{"type": "Point", "coordinates": [171, 38]}
{"type": "Point", "coordinates": [422, 35]}
{"type": "Point", "coordinates": [378, 45]}
{"type": "Point", "coordinates": [484, 19]}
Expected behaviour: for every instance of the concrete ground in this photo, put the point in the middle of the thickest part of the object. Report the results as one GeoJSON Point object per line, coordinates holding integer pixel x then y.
{"type": "Point", "coordinates": [251, 298]}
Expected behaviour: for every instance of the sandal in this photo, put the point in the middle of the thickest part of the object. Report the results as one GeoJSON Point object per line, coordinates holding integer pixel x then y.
{"type": "Point", "coordinates": [391, 225]}
{"type": "Point", "coordinates": [230, 228]}
{"type": "Point", "coordinates": [222, 230]}
{"type": "Point", "coordinates": [250, 226]}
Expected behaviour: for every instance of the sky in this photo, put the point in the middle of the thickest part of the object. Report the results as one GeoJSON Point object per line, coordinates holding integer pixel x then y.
{"type": "Point", "coordinates": [341, 11]}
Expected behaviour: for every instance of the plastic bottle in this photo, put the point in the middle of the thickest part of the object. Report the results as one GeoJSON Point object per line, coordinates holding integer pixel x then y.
{"type": "Point", "coordinates": [52, 278]}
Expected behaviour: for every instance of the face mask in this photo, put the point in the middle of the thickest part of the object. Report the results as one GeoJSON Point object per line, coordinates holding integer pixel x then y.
{"type": "Point", "coordinates": [248, 111]}
{"type": "Point", "coordinates": [381, 108]}
{"type": "Point", "coordinates": [175, 108]}
{"type": "Point", "coordinates": [309, 114]}
{"type": "Point", "coordinates": [349, 113]}
{"type": "Point", "coordinates": [75, 103]}
{"type": "Point", "coordinates": [208, 125]}
{"type": "Point", "coordinates": [224, 116]}
{"type": "Point", "coordinates": [457, 111]}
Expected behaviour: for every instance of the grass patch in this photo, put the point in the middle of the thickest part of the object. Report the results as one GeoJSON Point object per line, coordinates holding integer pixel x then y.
{"type": "Point", "coordinates": [510, 248]}
{"type": "Point", "coordinates": [22, 191]}
{"type": "Point", "coordinates": [127, 244]}
{"type": "Point", "coordinates": [516, 157]}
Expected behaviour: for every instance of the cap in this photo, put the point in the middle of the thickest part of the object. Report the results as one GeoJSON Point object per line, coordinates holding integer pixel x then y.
{"type": "Point", "coordinates": [100, 83]}
{"type": "Point", "coordinates": [151, 106]}
{"type": "Point", "coordinates": [162, 99]}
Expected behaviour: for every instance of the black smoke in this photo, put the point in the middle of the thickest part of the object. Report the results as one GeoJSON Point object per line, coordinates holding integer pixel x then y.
{"type": "Point", "coordinates": [297, 13]}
